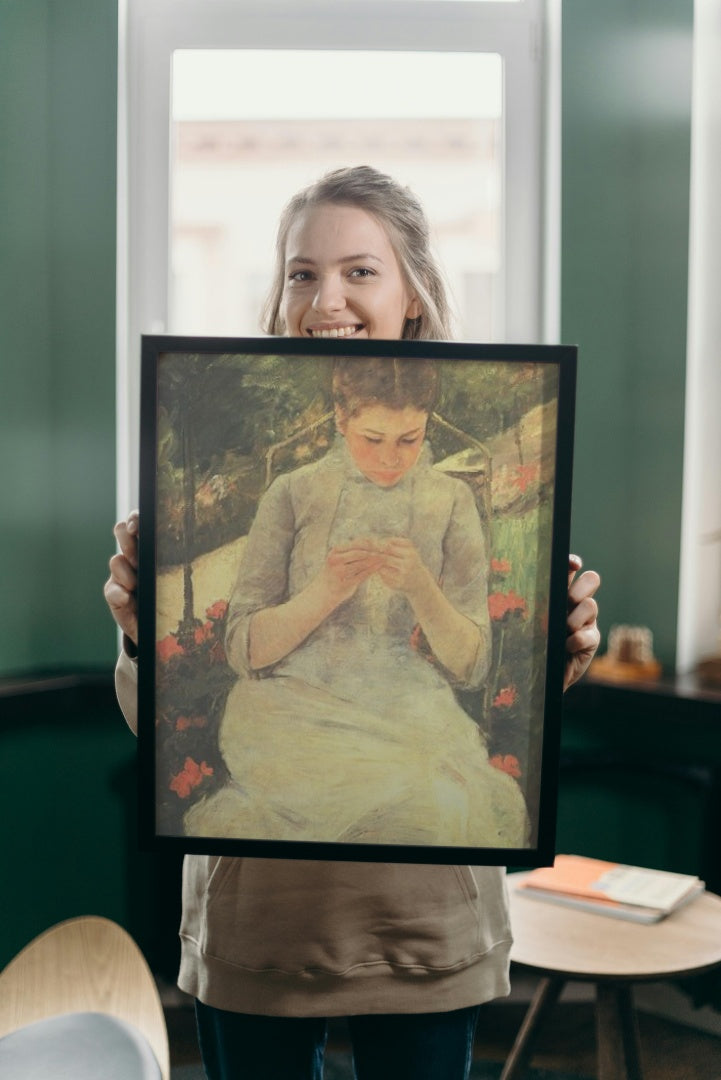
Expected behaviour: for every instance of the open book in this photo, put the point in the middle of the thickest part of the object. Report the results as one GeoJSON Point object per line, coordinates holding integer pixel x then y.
{"type": "Point", "coordinates": [608, 888]}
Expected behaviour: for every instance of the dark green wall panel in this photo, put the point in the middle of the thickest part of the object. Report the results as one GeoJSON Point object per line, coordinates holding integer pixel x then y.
{"type": "Point", "coordinates": [58, 76]}
{"type": "Point", "coordinates": [626, 144]}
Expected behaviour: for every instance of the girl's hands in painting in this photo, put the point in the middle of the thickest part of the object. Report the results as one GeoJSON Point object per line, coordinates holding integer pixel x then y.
{"type": "Point", "coordinates": [454, 639]}
{"type": "Point", "coordinates": [121, 587]}
{"type": "Point", "coordinates": [275, 632]}
{"type": "Point", "coordinates": [347, 567]}
{"type": "Point", "coordinates": [583, 635]}
{"type": "Point", "coordinates": [401, 567]}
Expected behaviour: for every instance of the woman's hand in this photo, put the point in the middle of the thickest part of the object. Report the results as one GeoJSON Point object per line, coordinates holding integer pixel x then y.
{"type": "Point", "coordinates": [402, 568]}
{"type": "Point", "coordinates": [347, 567]}
{"type": "Point", "coordinates": [454, 639]}
{"type": "Point", "coordinates": [276, 631]}
{"type": "Point", "coordinates": [121, 587]}
{"type": "Point", "coordinates": [583, 635]}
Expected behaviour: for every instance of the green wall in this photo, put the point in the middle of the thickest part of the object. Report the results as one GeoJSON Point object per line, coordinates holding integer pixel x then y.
{"type": "Point", "coordinates": [58, 72]}
{"type": "Point", "coordinates": [625, 200]}
{"type": "Point", "coordinates": [69, 778]}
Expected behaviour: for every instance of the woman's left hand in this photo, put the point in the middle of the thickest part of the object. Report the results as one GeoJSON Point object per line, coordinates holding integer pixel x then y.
{"type": "Point", "coordinates": [583, 635]}
{"type": "Point", "coordinates": [402, 567]}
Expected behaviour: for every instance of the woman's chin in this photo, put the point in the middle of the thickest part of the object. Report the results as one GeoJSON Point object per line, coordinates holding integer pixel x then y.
{"type": "Point", "coordinates": [384, 479]}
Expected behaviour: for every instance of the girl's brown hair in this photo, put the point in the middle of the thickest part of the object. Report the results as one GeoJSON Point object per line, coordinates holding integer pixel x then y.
{"type": "Point", "coordinates": [381, 380]}
{"type": "Point", "coordinates": [402, 216]}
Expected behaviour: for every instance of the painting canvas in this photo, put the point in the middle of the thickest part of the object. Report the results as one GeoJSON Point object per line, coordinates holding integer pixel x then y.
{"type": "Point", "coordinates": [352, 597]}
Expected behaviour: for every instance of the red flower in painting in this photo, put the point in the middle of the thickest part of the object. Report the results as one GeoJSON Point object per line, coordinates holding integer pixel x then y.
{"type": "Point", "coordinates": [525, 475]}
{"type": "Point", "coordinates": [500, 604]}
{"type": "Point", "coordinates": [190, 777]}
{"type": "Point", "coordinates": [203, 633]}
{"type": "Point", "coordinates": [217, 610]}
{"type": "Point", "coordinates": [507, 763]}
{"type": "Point", "coordinates": [500, 566]}
{"type": "Point", "coordinates": [185, 722]}
{"type": "Point", "coordinates": [169, 646]}
{"type": "Point", "coordinates": [505, 697]}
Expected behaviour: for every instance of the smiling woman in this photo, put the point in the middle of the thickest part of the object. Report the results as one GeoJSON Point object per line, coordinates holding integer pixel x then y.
{"type": "Point", "coordinates": [353, 259]}
{"type": "Point", "coordinates": [343, 277]}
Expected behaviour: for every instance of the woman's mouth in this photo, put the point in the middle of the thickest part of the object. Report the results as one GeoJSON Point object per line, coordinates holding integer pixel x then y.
{"type": "Point", "coordinates": [335, 331]}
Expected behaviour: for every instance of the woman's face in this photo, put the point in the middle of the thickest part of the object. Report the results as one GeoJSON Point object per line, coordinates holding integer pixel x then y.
{"type": "Point", "coordinates": [342, 277]}
{"type": "Point", "coordinates": [384, 443]}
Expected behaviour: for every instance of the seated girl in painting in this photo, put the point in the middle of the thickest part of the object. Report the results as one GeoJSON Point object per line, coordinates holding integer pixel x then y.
{"type": "Point", "coordinates": [338, 728]}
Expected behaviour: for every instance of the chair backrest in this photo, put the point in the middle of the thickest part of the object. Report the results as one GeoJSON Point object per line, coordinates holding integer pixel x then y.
{"type": "Point", "coordinates": [87, 964]}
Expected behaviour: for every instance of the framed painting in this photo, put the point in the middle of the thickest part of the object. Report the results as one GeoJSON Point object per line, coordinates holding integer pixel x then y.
{"type": "Point", "coordinates": [352, 597]}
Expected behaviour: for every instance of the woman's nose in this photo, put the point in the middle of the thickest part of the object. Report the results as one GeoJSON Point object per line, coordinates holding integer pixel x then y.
{"type": "Point", "coordinates": [391, 456]}
{"type": "Point", "coordinates": [329, 295]}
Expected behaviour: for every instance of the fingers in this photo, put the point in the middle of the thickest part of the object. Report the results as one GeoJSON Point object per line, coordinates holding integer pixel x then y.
{"type": "Point", "coordinates": [583, 587]}
{"type": "Point", "coordinates": [575, 563]}
{"type": "Point", "coordinates": [583, 613]}
{"type": "Point", "coordinates": [126, 534]}
{"type": "Point", "coordinates": [352, 565]}
{"type": "Point", "coordinates": [354, 556]}
{"type": "Point", "coordinates": [123, 572]}
{"type": "Point", "coordinates": [121, 587]}
{"type": "Point", "coordinates": [585, 640]}
{"type": "Point", "coordinates": [583, 636]}
{"type": "Point", "coordinates": [360, 546]}
{"type": "Point", "coordinates": [123, 608]}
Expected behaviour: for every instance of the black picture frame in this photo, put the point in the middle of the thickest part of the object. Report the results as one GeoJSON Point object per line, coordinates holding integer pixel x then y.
{"type": "Point", "coordinates": [332, 753]}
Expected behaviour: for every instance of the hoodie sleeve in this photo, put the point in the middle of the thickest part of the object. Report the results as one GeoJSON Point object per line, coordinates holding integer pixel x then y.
{"type": "Point", "coordinates": [126, 688]}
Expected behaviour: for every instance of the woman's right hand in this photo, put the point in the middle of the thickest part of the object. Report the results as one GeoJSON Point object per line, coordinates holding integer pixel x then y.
{"type": "Point", "coordinates": [275, 632]}
{"type": "Point", "coordinates": [347, 567]}
{"type": "Point", "coordinates": [121, 587]}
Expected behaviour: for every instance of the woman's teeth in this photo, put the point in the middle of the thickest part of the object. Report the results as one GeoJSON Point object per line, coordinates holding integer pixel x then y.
{"type": "Point", "coordinates": [336, 332]}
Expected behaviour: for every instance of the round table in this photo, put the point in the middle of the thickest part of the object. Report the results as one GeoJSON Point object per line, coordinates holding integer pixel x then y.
{"type": "Point", "coordinates": [562, 944]}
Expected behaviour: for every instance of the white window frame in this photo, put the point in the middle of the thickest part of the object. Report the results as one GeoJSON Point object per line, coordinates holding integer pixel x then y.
{"type": "Point", "coordinates": [526, 34]}
{"type": "Point", "coordinates": [699, 598]}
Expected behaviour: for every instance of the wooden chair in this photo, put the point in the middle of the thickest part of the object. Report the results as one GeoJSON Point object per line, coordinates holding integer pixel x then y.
{"type": "Point", "coordinates": [86, 971]}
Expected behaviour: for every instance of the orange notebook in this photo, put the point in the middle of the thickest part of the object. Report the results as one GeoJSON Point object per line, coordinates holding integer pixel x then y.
{"type": "Point", "coordinates": [631, 892]}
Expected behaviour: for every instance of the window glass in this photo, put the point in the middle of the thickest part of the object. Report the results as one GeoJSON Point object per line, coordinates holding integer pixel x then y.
{"type": "Point", "coordinates": [251, 127]}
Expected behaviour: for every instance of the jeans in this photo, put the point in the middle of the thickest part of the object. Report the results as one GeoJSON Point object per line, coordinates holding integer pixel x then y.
{"type": "Point", "coordinates": [415, 1046]}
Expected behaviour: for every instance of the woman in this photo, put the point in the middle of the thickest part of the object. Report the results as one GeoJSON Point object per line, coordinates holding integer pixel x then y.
{"type": "Point", "coordinates": [347, 559]}
{"type": "Point", "coordinates": [270, 949]}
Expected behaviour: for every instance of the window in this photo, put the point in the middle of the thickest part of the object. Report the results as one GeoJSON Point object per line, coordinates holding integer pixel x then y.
{"type": "Point", "coordinates": [699, 623]}
{"type": "Point", "coordinates": [227, 107]}
{"type": "Point", "coordinates": [236, 159]}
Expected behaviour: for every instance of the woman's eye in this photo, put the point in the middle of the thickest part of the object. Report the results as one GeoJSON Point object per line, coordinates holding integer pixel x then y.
{"type": "Point", "coordinates": [300, 276]}
{"type": "Point", "coordinates": [362, 272]}
{"type": "Point", "coordinates": [410, 442]}
{"type": "Point", "coordinates": [370, 440]}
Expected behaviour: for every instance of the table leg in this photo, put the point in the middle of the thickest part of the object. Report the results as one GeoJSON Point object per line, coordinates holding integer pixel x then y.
{"type": "Point", "coordinates": [545, 997]}
{"type": "Point", "coordinates": [617, 1033]}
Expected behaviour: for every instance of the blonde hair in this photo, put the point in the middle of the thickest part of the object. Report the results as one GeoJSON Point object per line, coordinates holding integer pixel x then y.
{"type": "Point", "coordinates": [402, 216]}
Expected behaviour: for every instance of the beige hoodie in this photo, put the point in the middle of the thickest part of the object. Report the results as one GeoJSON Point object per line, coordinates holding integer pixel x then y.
{"type": "Point", "coordinates": [283, 937]}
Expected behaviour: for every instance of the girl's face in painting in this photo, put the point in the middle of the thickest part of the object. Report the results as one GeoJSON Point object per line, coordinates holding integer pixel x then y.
{"type": "Point", "coordinates": [342, 277]}
{"type": "Point", "coordinates": [384, 443]}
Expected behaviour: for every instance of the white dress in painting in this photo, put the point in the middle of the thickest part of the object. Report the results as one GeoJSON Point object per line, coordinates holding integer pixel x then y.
{"type": "Point", "coordinates": [356, 737]}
